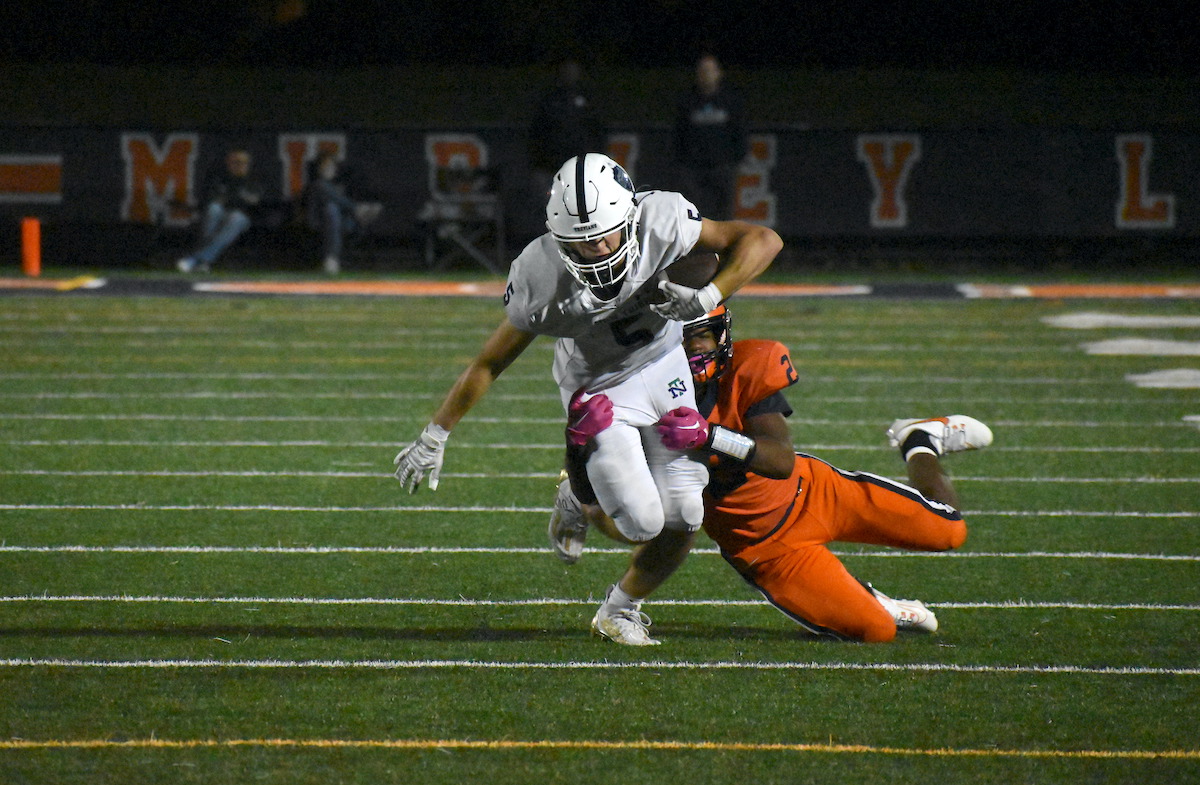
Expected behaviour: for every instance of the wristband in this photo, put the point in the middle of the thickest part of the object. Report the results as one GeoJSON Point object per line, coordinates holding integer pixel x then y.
{"type": "Point", "coordinates": [730, 443]}
{"type": "Point", "coordinates": [436, 432]}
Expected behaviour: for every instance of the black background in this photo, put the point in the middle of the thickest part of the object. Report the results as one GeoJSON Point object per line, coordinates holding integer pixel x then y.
{"type": "Point", "coordinates": [1047, 36]}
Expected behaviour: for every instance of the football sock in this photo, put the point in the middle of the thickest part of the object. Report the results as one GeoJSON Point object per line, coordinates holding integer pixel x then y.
{"type": "Point", "coordinates": [918, 442]}
{"type": "Point", "coordinates": [617, 598]}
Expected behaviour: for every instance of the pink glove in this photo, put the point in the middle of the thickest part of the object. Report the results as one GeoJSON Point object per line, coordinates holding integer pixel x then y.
{"type": "Point", "coordinates": [682, 429]}
{"type": "Point", "coordinates": [587, 415]}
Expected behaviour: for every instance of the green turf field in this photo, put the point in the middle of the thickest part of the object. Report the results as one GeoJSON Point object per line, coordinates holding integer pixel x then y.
{"type": "Point", "coordinates": [208, 574]}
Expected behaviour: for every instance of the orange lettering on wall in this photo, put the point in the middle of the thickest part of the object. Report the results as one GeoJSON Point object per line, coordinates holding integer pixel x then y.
{"type": "Point", "coordinates": [1137, 207]}
{"type": "Point", "coordinates": [753, 198]}
{"type": "Point", "coordinates": [159, 181]}
{"type": "Point", "coordinates": [31, 178]}
{"type": "Point", "coordinates": [295, 153]}
{"type": "Point", "coordinates": [450, 152]}
{"type": "Point", "coordinates": [889, 159]}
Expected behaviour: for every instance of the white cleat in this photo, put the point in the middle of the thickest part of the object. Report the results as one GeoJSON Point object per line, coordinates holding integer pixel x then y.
{"type": "Point", "coordinates": [627, 626]}
{"type": "Point", "coordinates": [953, 433]}
{"type": "Point", "coordinates": [567, 528]}
{"type": "Point", "coordinates": [910, 615]}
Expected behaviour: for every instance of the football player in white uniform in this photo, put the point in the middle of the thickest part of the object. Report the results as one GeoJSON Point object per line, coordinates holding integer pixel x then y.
{"type": "Point", "coordinates": [596, 282]}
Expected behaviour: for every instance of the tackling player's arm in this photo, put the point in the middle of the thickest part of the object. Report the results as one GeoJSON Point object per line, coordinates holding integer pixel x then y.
{"type": "Point", "coordinates": [745, 251]}
{"type": "Point", "coordinates": [504, 346]}
{"type": "Point", "coordinates": [763, 447]}
{"type": "Point", "coordinates": [774, 456]}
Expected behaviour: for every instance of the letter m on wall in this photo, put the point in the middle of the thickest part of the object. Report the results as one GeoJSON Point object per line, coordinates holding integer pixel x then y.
{"type": "Point", "coordinates": [889, 159]}
{"type": "Point", "coordinates": [159, 180]}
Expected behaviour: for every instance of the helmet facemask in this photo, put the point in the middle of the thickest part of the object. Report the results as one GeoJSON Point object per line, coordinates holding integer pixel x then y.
{"type": "Point", "coordinates": [707, 366]}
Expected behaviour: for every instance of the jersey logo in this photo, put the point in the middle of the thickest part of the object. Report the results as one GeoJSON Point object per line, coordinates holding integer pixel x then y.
{"type": "Point", "coordinates": [676, 387]}
{"type": "Point", "coordinates": [694, 215]}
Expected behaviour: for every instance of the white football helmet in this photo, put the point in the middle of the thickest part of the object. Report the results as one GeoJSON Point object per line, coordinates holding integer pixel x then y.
{"type": "Point", "coordinates": [591, 197]}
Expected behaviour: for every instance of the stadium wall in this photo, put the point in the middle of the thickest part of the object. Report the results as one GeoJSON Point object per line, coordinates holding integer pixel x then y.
{"type": "Point", "coordinates": [812, 183]}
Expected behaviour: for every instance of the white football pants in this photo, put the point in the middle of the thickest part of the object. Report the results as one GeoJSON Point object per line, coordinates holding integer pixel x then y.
{"type": "Point", "coordinates": [642, 485]}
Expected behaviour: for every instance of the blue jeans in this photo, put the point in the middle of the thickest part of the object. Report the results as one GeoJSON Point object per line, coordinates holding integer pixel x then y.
{"type": "Point", "coordinates": [336, 224]}
{"type": "Point", "coordinates": [221, 227]}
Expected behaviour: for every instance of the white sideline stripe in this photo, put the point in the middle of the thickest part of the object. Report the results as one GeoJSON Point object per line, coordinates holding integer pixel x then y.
{"type": "Point", "coordinates": [525, 421]}
{"type": "Point", "coordinates": [395, 445]}
{"type": "Point", "coordinates": [514, 476]}
{"type": "Point", "coordinates": [491, 551]}
{"type": "Point", "coordinates": [547, 602]}
{"type": "Point", "coordinates": [523, 510]}
{"type": "Point", "coordinates": [918, 667]}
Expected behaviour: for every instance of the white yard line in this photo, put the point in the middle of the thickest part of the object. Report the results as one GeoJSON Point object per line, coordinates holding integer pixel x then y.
{"type": "Point", "coordinates": [923, 381]}
{"type": "Point", "coordinates": [204, 418]}
{"type": "Point", "coordinates": [609, 551]}
{"type": "Point", "coordinates": [523, 510]}
{"type": "Point", "coordinates": [810, 448]}
{"type": "Point", "coordinates": [516, 476]}
{"type": "Point", "coordinates": [542, 602]}
{"type": "Point", "coordinates": [652, 665]}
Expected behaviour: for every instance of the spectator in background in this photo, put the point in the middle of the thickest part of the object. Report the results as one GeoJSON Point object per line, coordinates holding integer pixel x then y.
{"type": "Point", "coordinates": [709, 141]}
{"type": "Point", "coordinates": [565, 124]}
{"type": "Point", "coordinates": [231, 197]}
{"type": "Point", "coordinates": [330, 209]}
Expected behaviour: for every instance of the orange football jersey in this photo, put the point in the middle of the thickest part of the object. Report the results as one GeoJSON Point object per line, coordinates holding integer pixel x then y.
{"type": "Point", "coordinates": [737, 502]}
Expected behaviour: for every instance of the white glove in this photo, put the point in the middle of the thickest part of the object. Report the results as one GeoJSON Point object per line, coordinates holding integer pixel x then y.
{"type": "Point", "coordinates": [580, 302]}
{"type": "Point", "coordinates": [423, 455]}
{"type": "Point", "coordinates": [685, 303]}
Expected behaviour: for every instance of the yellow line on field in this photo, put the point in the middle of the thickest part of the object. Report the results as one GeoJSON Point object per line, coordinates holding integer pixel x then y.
{"type": "Point", "coordinates": [703, 746]}
{"type": "Point", "coordinates": [72, 284]}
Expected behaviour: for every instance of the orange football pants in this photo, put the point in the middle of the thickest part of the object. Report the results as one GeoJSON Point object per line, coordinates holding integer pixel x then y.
{"type": "Point", "coordinates": [799, 575]}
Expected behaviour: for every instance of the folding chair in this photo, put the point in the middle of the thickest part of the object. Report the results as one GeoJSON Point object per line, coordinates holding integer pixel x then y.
{"type": "Point", "coordinates": [464, 218]}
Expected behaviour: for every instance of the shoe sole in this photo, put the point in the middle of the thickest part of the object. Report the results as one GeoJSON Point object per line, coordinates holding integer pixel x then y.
{"type": "Point", "coordinates": [900, 429]}
{"type": "Point", "coordinates": [617, 639]}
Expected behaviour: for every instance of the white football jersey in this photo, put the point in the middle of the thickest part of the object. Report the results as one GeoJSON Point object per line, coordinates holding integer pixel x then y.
{"type": "Point", "coordinates": [600, 344]}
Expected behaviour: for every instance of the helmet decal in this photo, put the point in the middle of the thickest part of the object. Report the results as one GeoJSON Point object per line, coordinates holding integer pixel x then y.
{"type": "Point", "coordinates": [580, 191]}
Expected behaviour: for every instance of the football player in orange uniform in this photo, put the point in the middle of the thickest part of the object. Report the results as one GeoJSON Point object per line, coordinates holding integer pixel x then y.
{"type": "Point", "coordinates": [773, 511]}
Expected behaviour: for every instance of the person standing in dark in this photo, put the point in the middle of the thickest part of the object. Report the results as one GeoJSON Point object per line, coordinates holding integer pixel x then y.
{"type": "Point", "coordinates": [709, 141]}
{"type": "Point", "coordinates": [566, 123]}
